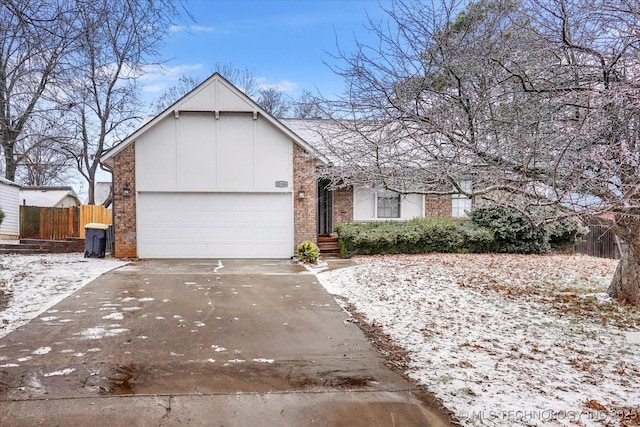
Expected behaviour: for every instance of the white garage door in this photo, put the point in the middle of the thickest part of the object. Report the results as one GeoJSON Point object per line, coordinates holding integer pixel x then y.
{"type": "Point", "coordinates": [215, 225]}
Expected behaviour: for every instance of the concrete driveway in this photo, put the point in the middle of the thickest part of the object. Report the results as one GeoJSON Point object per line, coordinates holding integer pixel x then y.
{"type": "Point", "coordinates": [202, 342]}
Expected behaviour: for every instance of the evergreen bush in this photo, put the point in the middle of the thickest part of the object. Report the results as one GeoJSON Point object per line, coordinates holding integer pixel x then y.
{"type": "Point", "coordinates": [308, 252]}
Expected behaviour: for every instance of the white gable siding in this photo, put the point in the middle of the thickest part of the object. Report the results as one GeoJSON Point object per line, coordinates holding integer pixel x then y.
{"type": "Point", "coordinates": [215, 94]}
{"type": "Point", "coordinates": [235, 146]}
{"type": "Point", "coordinates": [157, 147]}
{"type": "Point", "coordinates": [199, 152]}
{"type": "Point", "coordinates": [196, 159]}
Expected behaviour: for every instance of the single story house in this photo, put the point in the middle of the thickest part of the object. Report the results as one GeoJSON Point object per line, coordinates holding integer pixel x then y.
{"type": "Point", "coordinates": [10, 205]}
{"type": "Point", "coordinates": [49, 197]}
{"type": "Point", "coordinates": [368, 203]}
{"type": "Point", "coordinates": [216, 176]}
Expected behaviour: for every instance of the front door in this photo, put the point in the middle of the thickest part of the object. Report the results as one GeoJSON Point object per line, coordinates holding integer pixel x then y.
{"type": "Point", "coordinates": [325, 207]}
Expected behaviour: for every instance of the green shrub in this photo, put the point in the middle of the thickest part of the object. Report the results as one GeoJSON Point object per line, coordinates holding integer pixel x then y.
{"type": "Point", "coordinates": [494, 229]}
{"type": "Point", "coordinates": [419, 235]}
{"type": "Point", "coordinates": [512, 232]}
{"type": "Point", "coordinates": [1, 216]}
{"type": "Point", "coordinates": [565, 233]}
{"type": "Point", "coordinates": [308, 252]}
{"type": "Point", "coordinates": [477, 239]}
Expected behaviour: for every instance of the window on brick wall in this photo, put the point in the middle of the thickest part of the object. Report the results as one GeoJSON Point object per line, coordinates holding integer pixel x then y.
{"type": "Point", "coordinates": [460, 203]}
{"type": "Point", "coordinates": [388, 204]}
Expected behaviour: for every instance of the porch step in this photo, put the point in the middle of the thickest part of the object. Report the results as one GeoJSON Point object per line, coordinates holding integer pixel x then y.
{"type": "Point", "coordinates": [329, 245]}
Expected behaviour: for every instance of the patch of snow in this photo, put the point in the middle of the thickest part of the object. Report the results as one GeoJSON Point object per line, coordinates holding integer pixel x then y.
{"type": "Point", "coordinates": [633, 337]}
{"type": "Point", "coordinates": [42, 350]}
{"type": "Point", "coordinates": [114, 316]}
{"type": "Point", "coordinates": [220, 265]}
{"type": "Point", "coordinates": [65, 371]}
{"type": "Point", "coordinates": [99, 333]}
{"type": "Point", "coordinates": [316, 268]}
{"type": "Point", "coordinates": [483, 334]}
{"type": "Point", "coordinates": [38, 282]}
{"type": "Point", "coordinates": [263, 360]}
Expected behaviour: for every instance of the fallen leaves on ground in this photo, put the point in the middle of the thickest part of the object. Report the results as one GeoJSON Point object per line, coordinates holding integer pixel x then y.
{"type": "Point", "coordinates": [504, 339]}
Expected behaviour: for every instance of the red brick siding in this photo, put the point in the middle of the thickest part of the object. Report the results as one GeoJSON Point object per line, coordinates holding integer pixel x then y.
{"type": "Point", "coordinates": [304, 211]}
{"type": "Point", "coordinates": [124, 208]}
{"type": "Point", "coordinates": [342, 206]}
{"type": "Point", "coordinates": [437, 206]}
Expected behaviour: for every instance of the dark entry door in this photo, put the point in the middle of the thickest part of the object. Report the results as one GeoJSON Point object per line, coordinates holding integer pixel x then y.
{"type": "Point", "coordinates": [325, 207]}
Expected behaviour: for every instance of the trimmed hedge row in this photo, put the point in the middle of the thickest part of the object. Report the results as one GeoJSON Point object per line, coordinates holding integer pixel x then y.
{"type": "Point", "coordinates": [489, 230]}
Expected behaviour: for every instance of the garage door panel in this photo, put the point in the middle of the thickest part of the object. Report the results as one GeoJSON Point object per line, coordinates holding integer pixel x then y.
{"type": "Point", "coordinates": [215, 225]}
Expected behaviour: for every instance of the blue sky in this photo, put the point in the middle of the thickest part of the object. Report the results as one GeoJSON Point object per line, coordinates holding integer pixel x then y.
{"type": "Point", "coordinates": [285, 43]}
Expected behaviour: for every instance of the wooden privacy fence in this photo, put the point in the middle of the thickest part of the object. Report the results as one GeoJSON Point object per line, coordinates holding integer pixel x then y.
{"type": "Point", "coordinates": [60, 223]}
{"type": "Point", "coordinates": [49, 223]}
{"type": "Point", "coordinates": [600, 242]}
{"type": "Point", "coordinates": [93, 213]}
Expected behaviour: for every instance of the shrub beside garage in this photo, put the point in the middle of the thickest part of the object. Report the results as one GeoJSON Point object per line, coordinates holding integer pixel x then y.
{"type": "Point", "coordinates": [496, 229]}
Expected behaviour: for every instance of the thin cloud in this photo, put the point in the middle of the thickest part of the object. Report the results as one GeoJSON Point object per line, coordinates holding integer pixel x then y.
{"type": "Point", "coordinates": [157, 78]}
{"type": "Point", "coordinates": [191, 29]}
{"type": "Point", "coordinates": [282, 85]}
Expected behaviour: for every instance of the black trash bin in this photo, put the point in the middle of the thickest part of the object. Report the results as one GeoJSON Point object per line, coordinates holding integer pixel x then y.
{"type": "Point", "coordinates": [95, 239]}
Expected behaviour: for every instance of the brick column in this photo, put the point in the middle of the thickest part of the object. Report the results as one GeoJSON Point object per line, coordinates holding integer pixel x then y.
{"type": "Point", "coordinates": [305, 217]}
{"type": "Point", "coordinates": [342, 206]}
{"type": "Point", "coordinates": [124, 208]}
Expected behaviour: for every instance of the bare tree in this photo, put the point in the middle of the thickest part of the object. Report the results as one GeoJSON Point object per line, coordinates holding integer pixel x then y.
{"type": "Point", "coordinates": [41, 152]}
{"type": "Point", "coordinates": [535, 101]}
{"type": "Point", "coordinates": [273, 101]}
{"type": "Point", "coordinates": [35, 35]}
{"type": "Point", "coordinates": [116, 39]}
{"type": "Point", "coordinates": [185, 85]}
{"type": "Point", "coordinates": [308, 106]}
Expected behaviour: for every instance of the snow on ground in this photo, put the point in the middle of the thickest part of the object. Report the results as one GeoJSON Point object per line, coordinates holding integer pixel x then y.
{"type": "Point", "coordinates": [31, 284]}
{"type": "Point", "coordinates": [505, 339]}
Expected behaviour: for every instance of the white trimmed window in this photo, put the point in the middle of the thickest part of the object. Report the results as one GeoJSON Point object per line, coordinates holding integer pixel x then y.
{"type": "Point", "coordinates": [461, 204]}
{"type": "Point", "coordinates": [388, 204]}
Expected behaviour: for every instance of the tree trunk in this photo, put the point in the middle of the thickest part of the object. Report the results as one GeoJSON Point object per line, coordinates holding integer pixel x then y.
{"type": "Point", "coordinates": [625, 286]}
{"type": "Point", "coordinates": [91, 199]}
{"type": "Point", "coordinates": [9, 161]}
